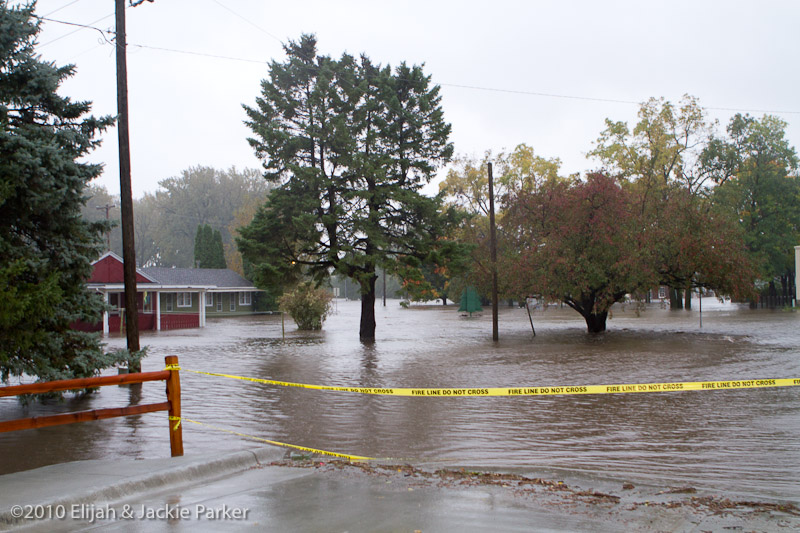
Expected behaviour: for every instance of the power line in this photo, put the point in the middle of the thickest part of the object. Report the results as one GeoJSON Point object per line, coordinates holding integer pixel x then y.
{"type": "Point", "coordinates": [80, 27]}
{"type": "Point", "coordinates": [247, 20]}
{"type": "Point", "coordinates": [605, 100]}
{"type": "Point", "coordinates": [60, 8]}
{"type": "Point", "coordinates": [202, 54]}
{"type": "Point", "coordinates": [508, 91]}
{"type": "Point", "coordinates": [455, 85]}
{"type": "Point", "coordinates": [533, 93]}
{"type": "Point", "coordinates": [491, 89]}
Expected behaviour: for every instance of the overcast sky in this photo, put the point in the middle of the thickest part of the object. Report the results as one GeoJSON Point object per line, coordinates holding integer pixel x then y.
{"type": "Point", "coordinates": [542, 73]}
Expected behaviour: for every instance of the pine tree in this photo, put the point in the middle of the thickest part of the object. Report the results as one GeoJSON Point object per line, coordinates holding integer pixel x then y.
{"type": "Point", "coordinates": [217, 251]}
{"type": "Point", "coordinates": [351, 145]}
{"type": "Point", "coordinates": [199, 247]}
{"type": "Point", "coordinates": [46, 248]}
{"type": "Point", "coordinates": [208, 249]}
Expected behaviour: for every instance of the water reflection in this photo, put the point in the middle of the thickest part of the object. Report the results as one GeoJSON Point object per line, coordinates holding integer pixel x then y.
{"type": "Point", "coordinates": [746, 438]}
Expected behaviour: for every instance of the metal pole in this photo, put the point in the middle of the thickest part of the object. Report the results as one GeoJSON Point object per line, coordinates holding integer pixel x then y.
{"type": "Point", "coordinates": [493, 247]}
{"type": "Point", "coordinates": [528, 307]}
{"type": "Point", "coordinates": [107, 208]}
{"type": "Point", "coordinates": [700, 302]}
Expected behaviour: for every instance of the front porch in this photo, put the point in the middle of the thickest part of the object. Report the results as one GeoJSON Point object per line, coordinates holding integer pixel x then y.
{"type": "Point", "coordinates": [168, 298]}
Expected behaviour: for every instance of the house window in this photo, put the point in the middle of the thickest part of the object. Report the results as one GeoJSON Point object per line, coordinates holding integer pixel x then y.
{"type": "Point", "coordinates": [115, 301]}
{"type": "Point", "coordinates": [209, 299]}
{"type": "Point", "coordinates": [233, 302]}
{"type": "Point", "coordinates": [244, 298]}
{"type": "Point", "coordinates": [184, 299]}
{"type": "Point", "coordinates": [168, 302]}
{"type": "Point", "coordinates": [219, 302]}
{"type": "Point", "coordinates": [662, 292]}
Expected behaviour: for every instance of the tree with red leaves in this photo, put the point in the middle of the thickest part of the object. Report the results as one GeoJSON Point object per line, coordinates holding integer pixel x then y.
{"type": "Point", "coordinates": [576, 242]}
{"type": "Point", "coordinates": [586, 243]}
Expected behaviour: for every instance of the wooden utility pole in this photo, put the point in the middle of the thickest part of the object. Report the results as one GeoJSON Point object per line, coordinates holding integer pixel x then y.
{"type": "Point", "coordinates": [126, 196]}
{"type": "Point", "coordinates": [107, 208]}
{"type": "Point", "coordinates": [493, 247]}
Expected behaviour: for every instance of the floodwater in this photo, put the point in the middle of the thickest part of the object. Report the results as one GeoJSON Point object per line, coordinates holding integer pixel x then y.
{"type": "Point", "coordinates": [745, 442]}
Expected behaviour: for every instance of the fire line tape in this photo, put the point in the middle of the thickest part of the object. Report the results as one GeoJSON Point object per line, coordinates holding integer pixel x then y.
{"type": "Point", "coordinates": [354, 458]}
{"type": "Point", "coordinates": [531, 391]}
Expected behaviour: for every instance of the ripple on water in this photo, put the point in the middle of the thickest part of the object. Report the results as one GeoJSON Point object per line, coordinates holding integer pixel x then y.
{"type": "Point", "coordinates": [744, 438]}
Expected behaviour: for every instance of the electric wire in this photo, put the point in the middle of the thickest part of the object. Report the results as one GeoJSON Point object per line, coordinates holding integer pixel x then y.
{"type": "Point", "coordinates": [443, 84]}
{"type": "Point", "coordinates": [247, 20]}
{"type": "Point", "coordinates": [60, 8]}
{"type": "Point", "coordinates": [202, 54]}
{"type": "Point", "coordinates": [80, 27]}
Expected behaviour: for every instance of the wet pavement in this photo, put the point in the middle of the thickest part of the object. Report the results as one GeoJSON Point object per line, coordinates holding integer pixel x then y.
{"type": "Point", "coordinates": [258, 491]}
{"type": "Point", "coordinates": [743, 445]}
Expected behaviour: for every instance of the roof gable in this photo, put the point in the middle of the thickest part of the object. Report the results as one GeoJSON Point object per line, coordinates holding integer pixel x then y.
{"type": "Point", "coordinates": [110, 269]}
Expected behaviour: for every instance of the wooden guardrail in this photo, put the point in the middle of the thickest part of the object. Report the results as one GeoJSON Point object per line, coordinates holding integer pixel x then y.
{"type": "Point", "coordinates": [172, 405]}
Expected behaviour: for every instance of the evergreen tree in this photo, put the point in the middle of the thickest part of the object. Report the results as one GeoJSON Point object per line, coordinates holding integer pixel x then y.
{"type": "Point", "coordinates": [208, 249]}
{"type": "Point", "coordinates": [351, 144]}
{"type": "Point", "coordinates": [217, 251]}
{"type": "Point", "coordinates": [46, 247]}
{"type": "Point", "coordinates": [199, 247]}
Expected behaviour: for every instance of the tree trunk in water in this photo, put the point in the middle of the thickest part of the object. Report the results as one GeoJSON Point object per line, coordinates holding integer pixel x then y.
{"type": "Point", "coordinates": [675, 300]}
{"type": "Point", "coordinates": [687, 299]}
{"type": "Point", "coordinates": [367, 329]}
{"type": "Point", "coordinates": [596, 322]}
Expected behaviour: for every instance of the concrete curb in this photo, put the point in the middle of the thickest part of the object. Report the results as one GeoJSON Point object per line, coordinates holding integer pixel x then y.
{"type": "Point", "coordinates": [61, 486]}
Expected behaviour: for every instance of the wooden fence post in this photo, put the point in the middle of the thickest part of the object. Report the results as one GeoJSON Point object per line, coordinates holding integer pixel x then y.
{"type": "Point", "coordinates": [174, 399]}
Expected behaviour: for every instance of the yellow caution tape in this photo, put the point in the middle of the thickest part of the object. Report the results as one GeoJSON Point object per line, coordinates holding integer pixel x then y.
{"type": "Point", "coordinates": [531, 391]}
{"type": "Point", "coordinates": [282, 444]}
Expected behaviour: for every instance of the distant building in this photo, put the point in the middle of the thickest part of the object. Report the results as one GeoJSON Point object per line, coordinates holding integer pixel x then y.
{"type": "Point", "coordinates": [169, 298]}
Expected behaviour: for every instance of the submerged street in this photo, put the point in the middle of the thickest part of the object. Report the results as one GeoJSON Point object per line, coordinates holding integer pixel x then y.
{"type": "Point", "coordinates": [743, 442]}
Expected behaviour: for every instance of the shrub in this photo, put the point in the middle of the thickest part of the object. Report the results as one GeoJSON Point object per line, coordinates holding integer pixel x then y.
{"type": "Point", "coordinates": [307, 305]}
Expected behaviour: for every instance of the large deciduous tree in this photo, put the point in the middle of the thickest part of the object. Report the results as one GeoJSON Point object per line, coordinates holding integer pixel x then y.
{"type": "Point", "coordinates": [199, 195]}
{"type": "Point", "coordinates": [591, 242]}
{"type": "Point", "coordinates": [585, 243]}
{"type": "Point", "coordinates": [46, 247]}
{"type": "Point", "coordinates": [661, 157]}
{"type": "Point", "coordinates": [467, 189]}
{"type": "Point", "coordinates": [576, 241]}
{"type": "Point", "coordinates": [351, 144]}
{"type": "Point", "coordinates": [756, 171]}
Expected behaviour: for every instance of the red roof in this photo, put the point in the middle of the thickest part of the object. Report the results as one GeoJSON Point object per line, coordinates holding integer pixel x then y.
{"type": "Point", "coordinates": [109, 269]}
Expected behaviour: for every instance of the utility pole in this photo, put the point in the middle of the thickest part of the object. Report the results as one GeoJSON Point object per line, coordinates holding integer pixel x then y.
{"type": "Point", "coordinates": [107, 207]}
{"type": "Point", "coordinates": [126, 196]}
{"type": "Point", "coordinates": [493, 247]}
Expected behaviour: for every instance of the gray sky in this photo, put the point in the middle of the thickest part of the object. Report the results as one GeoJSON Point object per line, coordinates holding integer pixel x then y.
{"type": "Point", "coordinates": [542, 73]}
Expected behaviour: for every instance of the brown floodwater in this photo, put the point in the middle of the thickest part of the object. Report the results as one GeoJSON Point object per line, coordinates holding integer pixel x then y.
{"type": "Point", "coordinates": [741, 441]}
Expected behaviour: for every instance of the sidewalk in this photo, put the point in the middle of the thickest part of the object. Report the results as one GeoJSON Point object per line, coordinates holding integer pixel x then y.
{"type": "Point", "coordinates": [89, 482]}
{"type": "Point", "coordinates": [260, 490]}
